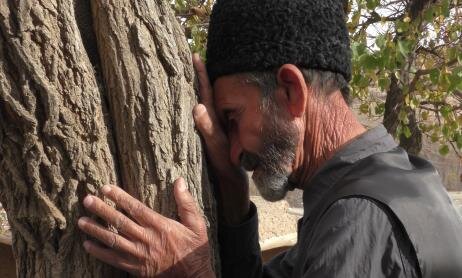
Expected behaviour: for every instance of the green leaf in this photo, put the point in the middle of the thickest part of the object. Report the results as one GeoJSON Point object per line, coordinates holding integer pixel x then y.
{"type": "Point", "coordinates": [446, 111]}
{"type": "Point", "coordinates": [402, 116]}
{"type": "Point", "coordinates": [372, 4]}
{"type": "Point", "coordinates": [364, 108]}
{"type": "Point", "coordinates": [380, 109]}
{"type": "Point", "coordinates": [384, 83]}
{"type": "Point", "coordinates": [356, 17]}
{"type": "Point", "coordinates": [414, 103]}
{"type": "Point", "coordinates": [404, 47]}
{"type": "Point", "coordinates": [424, 115]}
{"type": "Point", "coordinates": [455, 81]}
{"type": "Point", "coordinates": [358, 49]}
{"type": "Point", "coordinates": [368, 62]}
{"type": "Point", "coordinates": [364, 82]}
{"type": "Point", "coordinates": [459, 140]}
{"type": "Point", "coordinates": [429, 14]}
{"type": "Point", "coordinates": [444, 82]}
{"type": "Point", "coordinates": [380, 41]}
{"type": "Point", "coordinates": [445, 8]}
{"type": "Point", "coordinates": [446, 131]}
{"type": "Point", "coordinates": [452, 53]}
{"type": "Point", "coordinates": [356, 79]}
{"type": "Point", "coordinates": [444, 150]}
{"type": "Point", "coordinates": [435, 76]}
{"type": "Point", "coordinates": [407, 132]}
{"type": "Point", "coordinates": [402, 26]}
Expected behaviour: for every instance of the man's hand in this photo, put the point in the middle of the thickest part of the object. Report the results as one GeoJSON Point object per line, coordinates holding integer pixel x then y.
{"type": "Point", "coordinates": [150, 244]}
{"type": "Point", "coordinates": [233, 182]}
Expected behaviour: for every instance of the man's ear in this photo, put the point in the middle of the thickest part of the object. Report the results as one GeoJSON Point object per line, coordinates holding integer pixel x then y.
{"type": "Point", "coordinates": [291, 79]}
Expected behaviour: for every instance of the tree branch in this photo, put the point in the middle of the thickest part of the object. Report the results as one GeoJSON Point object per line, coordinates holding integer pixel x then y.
{"type": "Point", "coordinates": [420, 73]}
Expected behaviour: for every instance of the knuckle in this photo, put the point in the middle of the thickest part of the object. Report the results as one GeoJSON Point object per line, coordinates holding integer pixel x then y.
{"type": "Point", "coordinates": [189, 206]}
{"type": "Point", "coordinates": [165, 228]}
{"type": "Point", "coordinates": [141, 251]}
{"type": "Point", "coordinates": [120, 222]}
{"type": "Point", "coordinates": [116, 196]}
{"type": "Point", "coordinates": [140, 209]}
{"type": "Point", "coordinates": [136, 209]}
{"type": "Point", "coordinates": [114, 241]}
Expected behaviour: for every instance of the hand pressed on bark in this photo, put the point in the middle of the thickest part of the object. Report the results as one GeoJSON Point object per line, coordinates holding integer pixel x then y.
{"type": "Point", "coordinates": [150, 244]}
{"type": "Point", "coordinates": [233, 182]}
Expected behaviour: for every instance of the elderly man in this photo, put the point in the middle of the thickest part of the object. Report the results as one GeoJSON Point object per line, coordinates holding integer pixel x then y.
{"type": "Point", "coordinates": [277, 104]}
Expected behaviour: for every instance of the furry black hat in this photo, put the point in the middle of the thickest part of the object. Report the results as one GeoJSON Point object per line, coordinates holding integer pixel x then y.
{"type": "Point", "coordinates": [259, 35]}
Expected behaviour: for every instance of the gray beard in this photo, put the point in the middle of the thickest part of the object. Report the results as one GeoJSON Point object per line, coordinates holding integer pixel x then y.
{"type": "Point", "coordinates": [279, 140]}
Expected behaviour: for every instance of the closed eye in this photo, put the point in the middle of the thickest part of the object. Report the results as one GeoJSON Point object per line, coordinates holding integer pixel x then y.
{"type": "Point", "coordinates": [230, 116]}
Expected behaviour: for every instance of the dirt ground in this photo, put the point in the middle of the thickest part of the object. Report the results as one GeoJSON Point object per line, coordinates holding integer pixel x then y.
{"type": "Point", "coordinates": [274, 219]}
{"type": "Point", "coordinates": [457, 200]}
{"type": "Point", "coordinates": [3, 221]}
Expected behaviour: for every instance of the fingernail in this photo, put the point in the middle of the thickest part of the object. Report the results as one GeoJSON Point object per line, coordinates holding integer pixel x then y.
{"type": "Point", "coordinates": [82, 221]}
{"type": "Point", "coordinates": [181, 185]}
{"type": "Point", "coordinates": [106, 189]}
{"type": "Point", "coordinates": [199, 110]}
{"type": "Point", "coordinates": [88, 201]}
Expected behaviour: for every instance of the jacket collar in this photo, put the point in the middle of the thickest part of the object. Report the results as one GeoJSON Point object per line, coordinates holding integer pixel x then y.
{"type": "Point", "coordinates": [373, 141]}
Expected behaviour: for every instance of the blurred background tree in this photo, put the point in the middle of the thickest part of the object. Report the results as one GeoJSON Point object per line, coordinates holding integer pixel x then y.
{"type": "Point", "coordinates": [407, 64]}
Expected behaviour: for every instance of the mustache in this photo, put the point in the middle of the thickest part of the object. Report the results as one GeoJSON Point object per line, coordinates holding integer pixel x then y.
{"type": "Point", "coordinates": [250, 161]}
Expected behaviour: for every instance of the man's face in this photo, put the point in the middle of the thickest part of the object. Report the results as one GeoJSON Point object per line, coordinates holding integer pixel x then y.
{"type": "Point", "coordinates": [261, 137]}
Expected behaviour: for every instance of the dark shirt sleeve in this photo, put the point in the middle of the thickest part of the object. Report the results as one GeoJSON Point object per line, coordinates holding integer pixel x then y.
{"type": "Point", "coordinates": [357, 238]}
{"type": "Point", "coordinates": [239, 248]}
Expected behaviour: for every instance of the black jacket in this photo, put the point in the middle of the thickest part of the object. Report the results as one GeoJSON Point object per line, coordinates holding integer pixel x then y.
{"type": "Point", "coordinates": [370, 211]}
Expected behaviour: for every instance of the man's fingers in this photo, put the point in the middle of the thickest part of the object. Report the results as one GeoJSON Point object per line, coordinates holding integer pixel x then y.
{"type": "Point", "coordinates": [141, 213]}
{"type": "Point", "coordinates": [111, 257]}
{"type": "Point", "coordinates": [205, 89]}
{"type": "Point", "coordinates": [187, 208]}
{"type": "Point", "coordinates": [107, 237]}
{"type": "Point", "coordinates": [203, 121]}
{"type": "Point", "coordinates": [121, 222]}
{"type": "Point", "coordinates": [208, 128]}
{"type": "Point", "coordinates": [215, 140]}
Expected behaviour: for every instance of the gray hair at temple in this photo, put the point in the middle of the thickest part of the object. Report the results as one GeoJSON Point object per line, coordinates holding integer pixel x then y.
{"type": "Point", "coordinates": [322, 82]}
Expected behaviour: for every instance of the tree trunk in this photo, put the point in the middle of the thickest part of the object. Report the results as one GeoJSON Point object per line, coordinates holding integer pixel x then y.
{"type": "Point", "coordinates": [393, 105]}
{"type": "Point", "coordinates": [395, 97]}
{"type": "Point", "coordinates": [91, 92]}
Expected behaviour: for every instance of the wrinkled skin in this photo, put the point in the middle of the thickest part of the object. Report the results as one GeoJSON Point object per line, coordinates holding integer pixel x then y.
{"type": "Point", "coordinates": [150, 244]}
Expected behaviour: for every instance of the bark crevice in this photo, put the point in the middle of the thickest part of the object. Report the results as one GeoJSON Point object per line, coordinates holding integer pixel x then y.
{"type": "Point", "coordinates": [82, 104]}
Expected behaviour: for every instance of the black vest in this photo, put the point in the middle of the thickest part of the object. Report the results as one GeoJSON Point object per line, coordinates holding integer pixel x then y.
{"type": "Point", "coordinates": [411, 189]}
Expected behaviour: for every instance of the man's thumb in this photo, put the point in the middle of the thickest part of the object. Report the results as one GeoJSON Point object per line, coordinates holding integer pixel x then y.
{"type": "Point", "coordinates": [187, 208]}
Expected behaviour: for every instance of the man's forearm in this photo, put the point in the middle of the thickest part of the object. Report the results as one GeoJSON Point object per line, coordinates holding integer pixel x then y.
{"type": "Point", "coordinates": [234, 204]}
{"type": "Point", "coordinates": [239, 247]}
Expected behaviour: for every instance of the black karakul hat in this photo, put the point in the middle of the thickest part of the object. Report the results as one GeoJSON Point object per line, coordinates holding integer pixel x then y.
{"type": "Point", "coordinates": [259, 35]}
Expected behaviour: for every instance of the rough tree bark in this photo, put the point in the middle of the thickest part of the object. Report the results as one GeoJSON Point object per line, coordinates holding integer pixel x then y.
{"type": "Point", "coordinates": [91, 92]}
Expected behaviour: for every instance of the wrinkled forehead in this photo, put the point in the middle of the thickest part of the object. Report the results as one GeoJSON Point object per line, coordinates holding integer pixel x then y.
{"type": "Point", "coordinates": [234, 88]}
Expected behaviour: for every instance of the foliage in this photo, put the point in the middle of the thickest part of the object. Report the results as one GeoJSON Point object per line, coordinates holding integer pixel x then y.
{"type": "Point", "coordinates": [423, 50]}
{"type": "Point", "coordinates": [194, 17]}
{"type": "Point", "coordinates": [412, 46]}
